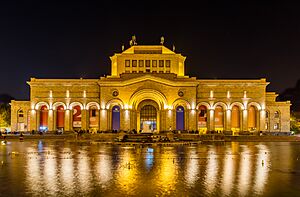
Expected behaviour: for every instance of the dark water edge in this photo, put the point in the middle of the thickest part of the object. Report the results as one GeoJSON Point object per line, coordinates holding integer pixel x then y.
{"type": "Point", "coordinates": [51, 167]}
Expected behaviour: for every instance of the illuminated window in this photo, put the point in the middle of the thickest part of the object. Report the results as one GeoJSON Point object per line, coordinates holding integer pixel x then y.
{"type": "Point", "coordinates": [276, 114]}
{"type": "Point", "coordinates": [168, 63]}
{"type": "Point", "coordinates": [134, 63]}
{"type": "Point", "coordinates": [141, 63]}
{"type": "Point", "coordinates": [147, 63]}
{"type": "Point", "coordinates": [276, 126]}
{"type": "Point", "coordinates": [127, 63]}
{"type": "Point", "coordinates": [154, 63]}
{"type": "Point", "coordinates": [21, 114]}
{"type": "Point", "coordinates": [93, 112]}
{"type": "Point", "coordinates": [161, 63]}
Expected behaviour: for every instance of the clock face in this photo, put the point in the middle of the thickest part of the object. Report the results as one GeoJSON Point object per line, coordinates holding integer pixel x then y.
{"type": "Point", "coordinates": [115, 93]}
{"type": "Point", "coordinates": [180, 93]}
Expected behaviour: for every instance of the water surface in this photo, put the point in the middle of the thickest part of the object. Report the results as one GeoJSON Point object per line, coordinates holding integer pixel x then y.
{"type": "Point", "coordinates": [61, 168]}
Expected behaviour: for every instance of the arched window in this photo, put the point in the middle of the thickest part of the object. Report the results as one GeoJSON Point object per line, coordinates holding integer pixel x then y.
{"type": "Point", "coordinates": [60, 117]}
{"type": "Point", "coordinates": [180, 118]}
{"type": "Point", "coordinates": [219, 118]}
{"type": "Point", "coordinates": [20, 116]}
{"type": "Point", "coordinates": [202, 119]}
{"type": "Point", "coordinates": [44, 118]}
{"type": "Point", "coordinates": [77, 117]}
{"type": "Point", "coordinates": [252, 118]}
{"type": "Point", "coordinates": [276, 114]}
{"type": "Point", "coordinates": [148, 116]}
{"type": "Point", "coordinates": [93, 116]}
{"type": "Point", "coordinates": [235, 117]}
{"type": "Point", "coordinates": [116, 118]}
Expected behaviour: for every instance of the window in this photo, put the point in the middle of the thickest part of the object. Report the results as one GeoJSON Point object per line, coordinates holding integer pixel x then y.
{"type": "Point", "coordinates": [127, 71]}
{"type": "Point", "coordinates": [167, 71]}
{"type": "Point", "coordinates": [140, 71]}
{"type": "Point", "coordinates": [134, 63]}
{"type": "Point", "coordinates": [154, 71]}
{"type": "Point", "coordinates": [161, 71]}
{"type": "Point", "coordinates": [21, 114]}
{"type": "Point", "coordinates": [161, 63]}
{"type": "Point", "coordinates": [127, 63]}
{"type": "Point", "coordinates": [93, 112]}
{"type": "Point", "coordinates": [134, 71]}
{"type": "Point", "coordinates": [276, 126]}
{"type": "Point", "coordinates": [154, 63]}
{"type": "Point", "coordinates": [168, 63]}
{"type": "Point", "coordinates": [147, 70]}
{"type": "Point", "coordinates": [141, 63]}
{"type": "Point", "coordinates": [147, 63]}
{"type": "Point", "coordinates": [276, 114]}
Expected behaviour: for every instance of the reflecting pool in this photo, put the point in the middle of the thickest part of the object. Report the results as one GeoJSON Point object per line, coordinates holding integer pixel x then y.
{"type": "Point", "coordinates": [62, 168]}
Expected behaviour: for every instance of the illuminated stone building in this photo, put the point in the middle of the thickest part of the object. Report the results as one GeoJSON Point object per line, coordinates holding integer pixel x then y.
{"type": "Point", "coordinates": [148, 91]}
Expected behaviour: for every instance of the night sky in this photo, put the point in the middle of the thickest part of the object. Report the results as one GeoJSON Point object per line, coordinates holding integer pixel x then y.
{"type": "Point", "coordinates": [73, 39]}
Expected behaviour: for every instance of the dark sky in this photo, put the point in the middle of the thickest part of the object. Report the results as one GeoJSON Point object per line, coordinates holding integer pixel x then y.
{"type": "Point", "coordinates": [73, 39]}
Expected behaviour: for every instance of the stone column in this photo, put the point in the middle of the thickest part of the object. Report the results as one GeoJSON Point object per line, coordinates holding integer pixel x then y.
{"type": "Point", "coordinates": [38, 115]}
{"type": "Point", "coordinates": [33, 120]}
{"type": "Point", "coordinates": [228, 120]}
{"type": "Point", "coordinates": [83, 119]}
{"type": "Point", "coordinates": [211, 120]}
{"type": "Point", "coordinates": [262, 120]}
{"type": "Point", "coordinates": [50, 120]}
{"type": "Point", "coordinates": [54, 120]}
{"type": "Point", "coordinates": [245, 120]}
{"type": "Point", "coordinates": [68, 120]}
{"type": "Point", "coordinates": [138, 120]}
{"type": "Point", "coordinates": [192, 120]}
{"type": "Point", "coordinates": [103, 120]}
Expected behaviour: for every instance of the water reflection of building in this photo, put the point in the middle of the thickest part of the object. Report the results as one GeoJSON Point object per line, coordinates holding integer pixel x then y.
{"type": "Point", "coordinates": [148, 89]}
{"type": "Point", "coordinates": [211, 169]}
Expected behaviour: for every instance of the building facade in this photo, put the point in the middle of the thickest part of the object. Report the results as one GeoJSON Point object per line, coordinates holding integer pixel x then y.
{"type": "Point", "coordinates": [148, 91]}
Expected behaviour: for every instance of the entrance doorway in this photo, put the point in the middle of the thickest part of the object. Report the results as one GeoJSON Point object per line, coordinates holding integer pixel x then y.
{"type": "Point", "coordinates": [148, 118]}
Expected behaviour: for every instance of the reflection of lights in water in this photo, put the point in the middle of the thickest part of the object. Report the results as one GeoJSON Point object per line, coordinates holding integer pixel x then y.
{"type": "Point", "coordinates": [149, 158]}
{"type": "Point", "coordinates": [211, 170]}
{"type": "Point", "coordinates": [192, 168]}
{"type": "Point", "coordinates": [67, 171]}
{"type": "Point", "coordinates": [32, 170]}
{"type": "Point", "coordinates": [245, 171]}
{"type": "Point", "coordinates": [167, 175]}
{"type": "Point", "coordinates": [50, 172]}
{"type": "Point", "coordinates": [228, 172]}
{"type": "Point", "coordinates": [104, 169]}
{"type": "Point", "coordinates": [127, 172]}
{"type": "Point", "coordinates": [262, 164]}
{"type": "Point", "coordinates": [84, 176]}
{"type": "Point", "coordinates": [40, 146]}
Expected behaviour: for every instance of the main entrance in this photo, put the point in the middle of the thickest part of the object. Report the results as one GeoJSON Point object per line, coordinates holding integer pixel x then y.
{"type": "Point", "coordinates": [148, 118]}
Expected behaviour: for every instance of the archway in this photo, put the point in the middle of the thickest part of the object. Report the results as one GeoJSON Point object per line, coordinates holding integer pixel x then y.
{"type": "Point", "coordinates": [77, 117]}
{"type": "Point", "coordinates": [93, 117]}
{"type": "Point", "coordinates": [252, 118]}
{"type": "Point", "coordinates": [219, 118]}
{"type": "Point", "coordinates": [235, 118]}
{"type": "Point", "coordinates": [180, 118]}
{"type": "Point", "coordinates": [43, 118]}
{"type": "Point", "coordinates": [202, 119]}
{"type": "Point", "coordinates": [116, 118]}
{"type": "Point", "coordinates": [60, 117]}
{"type": "Point", "coordinates": [148, 118]}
